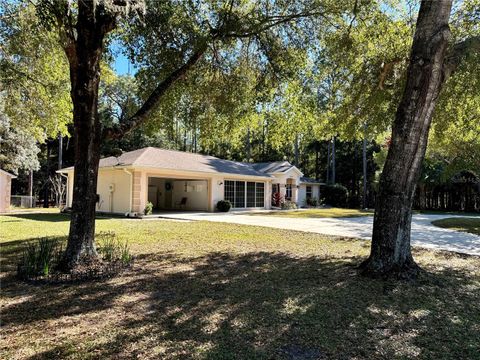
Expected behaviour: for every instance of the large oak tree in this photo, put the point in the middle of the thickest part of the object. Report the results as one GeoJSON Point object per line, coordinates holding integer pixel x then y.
{"type": "Point", "coordinates": [183, 33]}
{"type": "Point", "coordinates": [432, 62]}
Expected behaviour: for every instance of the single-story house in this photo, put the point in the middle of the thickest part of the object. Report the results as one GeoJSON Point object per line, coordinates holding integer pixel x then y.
{"type": "Point", "coordinates": [186, 181]}
{"type": "Point", "coordinates": [5, 190]}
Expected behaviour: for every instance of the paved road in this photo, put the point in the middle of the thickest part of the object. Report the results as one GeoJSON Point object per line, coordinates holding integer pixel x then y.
{"type": "Point", "coordinates": [423, 232]}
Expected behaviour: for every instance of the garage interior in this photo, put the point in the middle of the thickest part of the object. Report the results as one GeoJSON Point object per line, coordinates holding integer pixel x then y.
{"type": "Point", "coordinates": [178, 194]}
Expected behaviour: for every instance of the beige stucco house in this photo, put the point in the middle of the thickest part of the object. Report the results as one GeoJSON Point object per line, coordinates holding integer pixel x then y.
{"type": "Point", "coordinates": [5, 190]}
{"type": "Point", "coordinates": [173, 180]}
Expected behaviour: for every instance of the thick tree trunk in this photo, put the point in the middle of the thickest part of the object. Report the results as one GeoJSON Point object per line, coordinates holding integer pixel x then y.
{"type": "Point", "coordinates": [391, 253]}
{"type": "Point", "coordinates": [84, 56]}
{"type": "Point", "coordinates": [364, 167]}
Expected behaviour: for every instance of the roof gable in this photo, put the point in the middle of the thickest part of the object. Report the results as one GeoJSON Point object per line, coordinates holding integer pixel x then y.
{"type": "Point", "coordinates": [7, 174]}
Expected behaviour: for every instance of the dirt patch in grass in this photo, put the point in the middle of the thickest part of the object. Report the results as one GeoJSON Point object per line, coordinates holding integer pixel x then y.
{"type": "Point", "coordinates": [220, 291]}
{"type": "Point", "coordinates": [470, 225]}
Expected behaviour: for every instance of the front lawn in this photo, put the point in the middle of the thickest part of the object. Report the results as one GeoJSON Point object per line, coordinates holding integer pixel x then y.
{"type": "Point", "coordinates": [317, 213]}
{"type": "Point", "coordinates": [470, 225]}
{"type": "Point", "coordinates": [203, 290]}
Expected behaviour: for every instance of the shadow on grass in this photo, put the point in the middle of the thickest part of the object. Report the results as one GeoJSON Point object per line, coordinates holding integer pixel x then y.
{"type": "Point", "coordinates": [53, 217]}
{"type": "Point", "coordinates": [257, 305]}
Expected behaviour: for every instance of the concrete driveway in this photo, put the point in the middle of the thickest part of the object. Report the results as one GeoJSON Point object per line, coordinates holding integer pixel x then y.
{"type": "Point", "coordinates": [423, 232]}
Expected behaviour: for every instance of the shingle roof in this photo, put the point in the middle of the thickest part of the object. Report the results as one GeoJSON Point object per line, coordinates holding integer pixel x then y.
{"type": "Point", "coordinates": [179, 160]}
{"type": "Point", "coordinates": [272, 167]}
{"type": "Point", "coordinates": [308, 180]}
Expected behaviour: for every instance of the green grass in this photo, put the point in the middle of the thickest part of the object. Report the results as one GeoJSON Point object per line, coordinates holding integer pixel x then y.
{"type": "Point", "coordinates": [203, 290]}
{"type": "Point", "coordinates": [318, 213]}
{"type": "Point", "coordinates": [470, 225]}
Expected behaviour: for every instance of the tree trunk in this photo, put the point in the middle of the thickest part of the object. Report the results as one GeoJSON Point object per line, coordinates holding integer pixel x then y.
{"type": "Point", "coordinates": [391, 253]}
{"type": "Point", "coordinates": [296, 150]}
{"type": "Point", "coordinates": [333, 161]}
{"type": "Point", "coordinates": [84, 56]}
{"type": "Point", "coordinates": [364, 167]}
{"type": "Point", "coordinates": [328, 162]}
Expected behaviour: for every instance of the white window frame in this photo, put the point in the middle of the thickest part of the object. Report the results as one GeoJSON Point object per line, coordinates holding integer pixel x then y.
{"type": "Point", "coordinates": [245, 193]}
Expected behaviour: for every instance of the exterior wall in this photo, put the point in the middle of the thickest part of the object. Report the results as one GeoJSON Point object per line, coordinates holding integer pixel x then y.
{"type": "Point", "coordinates": [114, 189]}
{"type": "Point", "coordinates": [302, 193]}
{"type": "Point", "coordinates": [117, 201]}
{"type": "Point", "coordinates": [70, 189]}
{"type": "Point", "coordinates": [5, 192]}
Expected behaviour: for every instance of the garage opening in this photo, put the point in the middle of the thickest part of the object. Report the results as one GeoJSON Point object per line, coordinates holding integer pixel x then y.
{"type": "Point", "coordinates": [178, 194]}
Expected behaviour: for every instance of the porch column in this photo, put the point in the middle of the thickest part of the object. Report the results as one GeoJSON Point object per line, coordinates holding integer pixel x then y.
{"type": "Point", "coordinates": [137, 191]}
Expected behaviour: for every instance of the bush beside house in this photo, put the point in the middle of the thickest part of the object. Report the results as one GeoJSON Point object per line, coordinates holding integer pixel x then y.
{"type": "Point", "coordinates": [334, 195]}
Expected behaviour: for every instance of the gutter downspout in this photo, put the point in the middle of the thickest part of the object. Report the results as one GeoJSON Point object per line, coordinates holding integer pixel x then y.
{"type": "Point", "coordinates": [131, 190]}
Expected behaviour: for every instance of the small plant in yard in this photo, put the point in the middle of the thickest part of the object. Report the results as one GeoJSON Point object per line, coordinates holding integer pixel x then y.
{"type": "Point", "coordinates": [224, 206]}
{"type": "Point", "coordinates": [148, 208]}
{"type": "Point", "coordinates": [40, 257]}
{"type": "Point", "coordinates": [313, 202]}
{"type": "Point", "coordinates": [112, 249]}
{"type": "Point", "coordinates": [289, 205]}
{"type": "Point", "coordinates": [278, 199]}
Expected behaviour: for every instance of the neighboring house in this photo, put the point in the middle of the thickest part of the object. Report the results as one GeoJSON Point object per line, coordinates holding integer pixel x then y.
{"type": "Point", "coordinates": [186, 181]}
{"type": "Point", "coordinates": [5, 190]}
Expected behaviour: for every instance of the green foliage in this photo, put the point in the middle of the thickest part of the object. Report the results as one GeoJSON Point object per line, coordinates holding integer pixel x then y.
{"type": "Point", "coordinates": [313, 202]}
{"type": "Point", "coordinates": [224, 206]}
{"type": "Point", "coordinates": [112, 249]}
{"type": "Point", "coordinates": [334, 195]}
{"type": "Point", "coordinates": [34, 74]}
{"type": "Point", "coordinates": [289, 205]}
{"type": "Point", "coordinates": [148, 208]}
{"type": "Point", "coordinates": [18, 150]}
{"type": "Point", "coordinates": [40, 257]}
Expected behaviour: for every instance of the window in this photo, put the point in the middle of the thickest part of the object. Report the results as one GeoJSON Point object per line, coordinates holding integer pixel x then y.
{"type": "Point", "coordinates": [260, 195]}
{"type": "Point", "coordinates": [288, 191]}
{"type": "Point", "coordinates": [250, 194]}
{"type": "Point", "coordinates": [244, 194]}
{"type": "Point", "coordinates": [239, 194]}
{"type": "Point", "coordinates": [309, 192]}
{"type": "Point", "coordinates": [229, 191]}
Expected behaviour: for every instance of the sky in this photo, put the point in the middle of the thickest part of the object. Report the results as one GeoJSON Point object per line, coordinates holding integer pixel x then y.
{"type": "Point", "coordinates": [122, 65]}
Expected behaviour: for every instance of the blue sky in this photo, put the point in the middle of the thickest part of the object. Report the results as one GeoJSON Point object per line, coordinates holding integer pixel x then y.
{"type": "Point", "coordinates": [122, 65]}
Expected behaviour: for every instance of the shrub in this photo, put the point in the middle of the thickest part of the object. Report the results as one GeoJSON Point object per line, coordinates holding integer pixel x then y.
{"type": "Point", "coordinates": [224, 206]}
{"type": "Point", "coordinates": [148, 208]}
{"type": "Point", "coordinates": [312, 202]}
{"type": "Point", "coordinates": [278, 199]}
{"type": "Point", "coordinates": [289, 205]}
{"type": "Point", "coordinates": [334, 195]}
{"type": "Point", "coordinates": [40, 257]}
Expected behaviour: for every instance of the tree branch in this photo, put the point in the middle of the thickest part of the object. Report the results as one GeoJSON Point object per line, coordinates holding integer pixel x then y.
{"type": "Point", "coordinates": [221, 33]}
{"type": "Point", "coordinates": [142, 114]}
{"type": "Point", "coordinates": [458, 53]}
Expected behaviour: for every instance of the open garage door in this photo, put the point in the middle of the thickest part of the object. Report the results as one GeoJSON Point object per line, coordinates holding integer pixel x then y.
{"type": "Point", "coordinates": [178, 194]}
